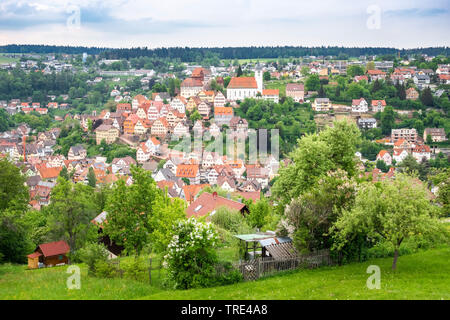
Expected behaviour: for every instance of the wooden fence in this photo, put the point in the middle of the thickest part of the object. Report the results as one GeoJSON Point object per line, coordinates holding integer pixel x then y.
{"type": "Point", "coordinates": [260, 267]}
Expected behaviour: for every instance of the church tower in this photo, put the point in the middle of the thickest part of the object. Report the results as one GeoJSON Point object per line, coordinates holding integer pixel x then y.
{"type": "Point", "coordinates": [259, 78]}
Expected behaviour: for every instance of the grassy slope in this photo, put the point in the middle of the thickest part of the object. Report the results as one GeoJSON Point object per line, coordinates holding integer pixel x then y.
{"type": "Point", "coordinates": [424, 275]}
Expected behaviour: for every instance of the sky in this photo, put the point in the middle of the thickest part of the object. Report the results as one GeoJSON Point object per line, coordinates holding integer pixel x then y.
{"type": "Point", "coordinates": [211, 23]}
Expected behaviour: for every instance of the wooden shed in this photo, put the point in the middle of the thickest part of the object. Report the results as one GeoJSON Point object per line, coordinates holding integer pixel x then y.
{"type": "Point", "coordinates": [49, 255]}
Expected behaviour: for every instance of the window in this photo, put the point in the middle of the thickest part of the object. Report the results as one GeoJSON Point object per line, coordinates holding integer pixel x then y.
{"type": "Point", "coordinates": [60, 257]}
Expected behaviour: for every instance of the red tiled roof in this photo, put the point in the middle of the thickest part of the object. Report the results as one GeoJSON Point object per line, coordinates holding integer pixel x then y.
{"type": "Point", "coordinates": [223, 111]}
{"type": "Point", "coordinates": [34, 255]}
{"type": "Point", "coordinates": [271, 92]}
{"type": "Point", "coordinates": [242, 82]}
{"type": "Point", "coordinates": [187, 170]}
{"type": "Point", "coordinates": [54, 248]}
{"type": "Point", "coordinates": [295, 87]}
{"type": "Point", "coordinates": [374, 72]}
{"type": "Point", "coordinates": [190, 82]}
{"type": "Point", "coordinates": [190, 191]}
{"type": "Point", "coordinates": [48, 173]}
{"type": "Point", "coordinates": [207, 203]}
{"type": "Point", "coordinates": [375, 102]}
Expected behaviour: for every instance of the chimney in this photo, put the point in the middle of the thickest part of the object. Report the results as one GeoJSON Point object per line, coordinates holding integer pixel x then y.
{"type": "Point", "coordinates": [24, 143]}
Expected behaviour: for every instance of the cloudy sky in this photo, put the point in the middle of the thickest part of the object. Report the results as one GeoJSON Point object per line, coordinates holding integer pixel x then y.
{"type": "Point", "coordinates": [200, 23]}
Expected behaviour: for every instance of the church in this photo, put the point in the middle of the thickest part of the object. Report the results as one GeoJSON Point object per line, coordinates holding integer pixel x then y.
{"type": "Point", "coordinates": [240, 88]}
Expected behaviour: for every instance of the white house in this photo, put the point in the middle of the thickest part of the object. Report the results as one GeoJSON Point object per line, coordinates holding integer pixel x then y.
{"type": "Point", "coordinates": [399, 155]}
{"type": "Point", "coordinates": [385, 156]}
{"type": "Point", "coordinates": [360, 105]}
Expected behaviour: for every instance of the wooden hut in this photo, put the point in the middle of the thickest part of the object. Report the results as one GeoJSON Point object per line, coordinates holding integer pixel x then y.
{"type": "Point", "coordinates": [49, 255]}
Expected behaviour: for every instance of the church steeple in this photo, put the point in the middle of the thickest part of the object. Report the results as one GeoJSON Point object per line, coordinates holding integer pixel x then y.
{"type": "Point", "coordinates": [259, 78]}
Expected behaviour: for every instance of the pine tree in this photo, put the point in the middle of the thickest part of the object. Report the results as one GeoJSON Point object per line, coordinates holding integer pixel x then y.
{"type": "Point", "coordinates": [239, 72]}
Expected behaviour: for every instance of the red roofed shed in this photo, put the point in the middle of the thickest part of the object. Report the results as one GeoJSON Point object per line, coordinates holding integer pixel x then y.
{"type": "Point", "coordinates": [49, 254]}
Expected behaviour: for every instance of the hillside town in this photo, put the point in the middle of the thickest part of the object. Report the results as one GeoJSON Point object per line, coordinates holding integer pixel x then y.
{"type": "Point", "coordinates": [150, 124]}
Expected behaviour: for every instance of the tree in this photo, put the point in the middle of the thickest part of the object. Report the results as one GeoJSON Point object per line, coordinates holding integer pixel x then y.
{"type": "Point", "coordinates": [370, 65]}
{"type": "Point", "coordinates": [309, 217]}
{"type": "Point", "coordinates": [312, 83]}
{"type": "Point", "coordinates": [305, 71]}
{"type": "Point", "coordinates": [14, 237]}
{"type": "Point", "coordinates": [130, 210]}
{"type": "Point", "coordinates": [239, 72]}
{"type": "Point", "coordinates": [71, 210]}
{"type": "Point", "coordinates": [259, 212]}
{"type": "Point", "coordinates": [355, 70]}
{"type": "Point", "coordinates": [92, 180]}
{"type": "Point", "coordinates": [426, 97]}
{"type": "Point", "coordinates": [195, 116]}
{"type": "Point", "coordinates": [168, 212]}
{"type": "Point", "coordinates": [64, 173]}
{"type": "Point", "coordinates": [315, 155]}
{"type": "Point", "coordinates": [387, 120]}
{"type": "Point", "coordinates": [266, 76]}
{"type": "Point", "coordinates": [382, 166]}
{"type": "Point", "coordinates": [391, 210]}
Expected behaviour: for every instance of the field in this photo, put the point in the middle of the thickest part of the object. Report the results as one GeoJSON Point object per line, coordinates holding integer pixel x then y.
{"type": "Point", "coordinates": [423, 275]}
{"type": "Point", "coordinates": [4, 59]}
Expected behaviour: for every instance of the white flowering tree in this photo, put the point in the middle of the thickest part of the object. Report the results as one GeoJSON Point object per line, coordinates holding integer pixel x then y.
{"type": "Point", "coordinates": [192, 254]}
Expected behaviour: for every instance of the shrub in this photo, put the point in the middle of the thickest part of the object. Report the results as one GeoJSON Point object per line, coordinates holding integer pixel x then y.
{"type": "Point", "coordinates": [227, 274]}
{"type": "Point", "coordinates": [92, 253]}
{"type": "Point", "coordinates": [191, 256]}
{"type": "Point", "coordinates": [105, 269]}
{"type": "Point", "coordinates": [230, 220]}
{"type": "Point", "coordinates": [135, 268]}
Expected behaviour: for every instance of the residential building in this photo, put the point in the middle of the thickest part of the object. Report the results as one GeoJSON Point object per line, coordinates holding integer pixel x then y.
{"type": "Point", "coordinates": [378, 105]}
{"type": "Point", "coordinates": [296, 91]}
{"type": "Point", "coordinates": [190, 87]}
{"type": "Point", "coordinates": [412, 94]}
{"type": "Point", "coordinates": [409, 135]}
{"type": "Point", "coordinates": [360, 105]}
{"type": "Point", "coordinates": [437, 134]}
{"type": "Point", "coordinates": [106, 132]}
{"type": "Point", "coordinates": [385, 156]}
{"type": "Point", "coordinates": [321, 104]}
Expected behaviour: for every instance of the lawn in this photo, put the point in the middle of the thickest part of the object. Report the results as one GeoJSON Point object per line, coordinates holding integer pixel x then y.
{"type": "Point", "coordinates": [4, 59]}
{"type": "Point", "coordinates": [423, 275]}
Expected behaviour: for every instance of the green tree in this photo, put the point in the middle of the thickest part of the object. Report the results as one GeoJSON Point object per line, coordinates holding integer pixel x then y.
{"type": "Point", "coordinates": [312, 83]}
{"type": "Point", "coordinates": [387, 120]}
{"type": "Point", "coordinates": [391, 210]}
{"type": "Point", "coordinates": [317, 154]}
{"type": "Point", "coordinates": [355, 70]}
{"type": "Point", "coordinates": [426, 97]}
{"type": "Point", "coordinates": [71, 210]}
{"type": "Point", "coordinates": [14, 237]}
{"type": "Point", "coordinates": [64, 173]}
{"type": "Point", "coordinates": [130, 210]}
{"type": "Point", "coordinates": [266, 76]}
{"type": "Point", "coordinates": [239, 72]}
{"type": "Point", "coordinates": [92, 180]}
{"type": "Point", "coordinates": [259, 213]}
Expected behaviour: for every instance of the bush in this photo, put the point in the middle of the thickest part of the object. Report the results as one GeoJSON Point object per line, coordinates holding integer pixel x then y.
{"type": "Point", "coordinates": [105, 269]}
{"type": "Point", "coordinates": [135, 268]}
{"type": "Point", "coordinates": [92, 253]}
{"type": "Point", "coordinates": [191, 256]}
{"type": "Point", "coordinates": [230, 220]}
{"type": "Point", "coordinates": [227, 274]}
